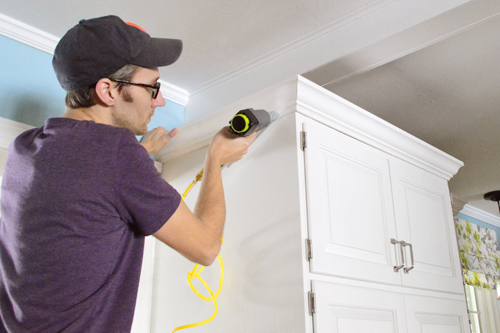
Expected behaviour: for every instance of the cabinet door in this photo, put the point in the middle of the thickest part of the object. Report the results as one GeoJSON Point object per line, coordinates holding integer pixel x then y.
{"type": "Point", "coordinates": [425, 220]}
{"type": "Point", "coordinates": [436, 315]}
{"type": "Point", "coordinates": [350, 213]}
{"type": "Point", "coordinates": [348, 309]}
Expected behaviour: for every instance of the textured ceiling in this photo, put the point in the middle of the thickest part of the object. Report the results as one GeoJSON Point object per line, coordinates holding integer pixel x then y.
{"type": "Point", "coordinates": [219, 36]}
{"type": "Point", "coordinates": [447, 95]}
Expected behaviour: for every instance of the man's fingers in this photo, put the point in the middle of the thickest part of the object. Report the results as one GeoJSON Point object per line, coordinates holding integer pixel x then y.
{"type": "Point", "coordinates": [158, 139]}
{"type": "Point", "coordinates": [172, 133]}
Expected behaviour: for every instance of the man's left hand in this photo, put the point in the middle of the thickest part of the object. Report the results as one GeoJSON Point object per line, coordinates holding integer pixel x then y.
{"type": "Point", "coordinates": [155, 140]}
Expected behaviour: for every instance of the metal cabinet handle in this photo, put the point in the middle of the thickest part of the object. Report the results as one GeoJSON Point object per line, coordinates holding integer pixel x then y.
{"type": "Point", "coordinates": [396, 242]}
{"type": "Point", "coordinates": [403, 245]}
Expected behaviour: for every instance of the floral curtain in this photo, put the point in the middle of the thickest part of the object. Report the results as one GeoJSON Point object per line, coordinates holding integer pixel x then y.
{"type": "Point", "coordinates": [479, 254]}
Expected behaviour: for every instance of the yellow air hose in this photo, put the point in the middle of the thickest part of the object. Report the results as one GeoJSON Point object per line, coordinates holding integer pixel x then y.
{"type": "Point", "coordinates": [196, 274]}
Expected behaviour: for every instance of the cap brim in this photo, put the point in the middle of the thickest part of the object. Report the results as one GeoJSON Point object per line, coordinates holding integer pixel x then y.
{"type": "Point", "coordinates": [159, 52]}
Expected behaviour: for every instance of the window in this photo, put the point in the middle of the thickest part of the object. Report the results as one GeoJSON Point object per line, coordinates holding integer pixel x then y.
{"type": "Point", "coordinates": [473, 310]}
{"type": "Point", "coordinates": [483, 308]}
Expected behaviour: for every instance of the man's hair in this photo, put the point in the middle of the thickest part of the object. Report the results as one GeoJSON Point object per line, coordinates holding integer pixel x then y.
{"type": "Point", "coordinates": [84, 98]}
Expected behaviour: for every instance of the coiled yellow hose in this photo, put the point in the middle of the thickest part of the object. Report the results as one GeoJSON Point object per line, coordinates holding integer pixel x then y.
{"type": "Point", "coordinates": [196, 274]}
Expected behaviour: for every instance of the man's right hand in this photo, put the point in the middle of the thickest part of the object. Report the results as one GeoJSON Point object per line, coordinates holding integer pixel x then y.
{"type": "Point", "coordinates": [227, 148]}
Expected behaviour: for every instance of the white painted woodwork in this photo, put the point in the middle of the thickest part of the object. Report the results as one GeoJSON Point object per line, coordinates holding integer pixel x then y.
{"type": "Point", "coordinates": [341, 194]}
{"type": "Point", "coordinates": [424, 219]}
{"type": "Point", "coordinates": [348, 309]}
{"type": "Point", "coordinates": [352, 209]}
{"type": "Point", "coordinates": [350, 212]}
{"type": "Point", "coordinates": [435, 315]}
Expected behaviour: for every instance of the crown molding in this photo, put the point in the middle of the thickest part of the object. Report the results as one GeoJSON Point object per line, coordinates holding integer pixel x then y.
{"type": "Point", "coordinates": [481, 215]}
{"type": "Point", "coordinates": [174, 93]}
{"type": "Point", "coordinates": [45, 42]}
{"type": "Point", "coordinates": [301, 96]}
{"type": "Point", "coordinates": [28, 35]}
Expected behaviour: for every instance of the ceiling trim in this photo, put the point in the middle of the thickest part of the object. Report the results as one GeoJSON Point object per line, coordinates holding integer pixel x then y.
{"type": "Point", "coordinates": [302, 96]}
{"type": "Point", "coordinates": [27, 34]}
{"type": "Point", "coordinates": [45, 42]}
{"type": "Point", "coordinates": [481, 215]}
{"type": "Point", "coordinates": [174, 93]}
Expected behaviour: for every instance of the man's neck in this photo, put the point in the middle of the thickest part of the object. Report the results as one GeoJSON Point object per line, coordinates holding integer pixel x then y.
{"type": "Point", "coordinates": [94, 113]}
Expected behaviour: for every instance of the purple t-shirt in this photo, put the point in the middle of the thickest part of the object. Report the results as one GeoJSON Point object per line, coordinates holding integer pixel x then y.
{"type": "Point", "coordinates": [77, 200]}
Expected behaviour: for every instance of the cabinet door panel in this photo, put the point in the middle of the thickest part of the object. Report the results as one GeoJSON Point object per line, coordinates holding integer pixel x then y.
{"type": "Point", "coordinates": [350, 212]}
{"type": "Point", "coordinates": [424, 219]}
{"type": "Point", "coordinates": [347, 309]}
{"type": "Point", "coordinates": [436, 315]}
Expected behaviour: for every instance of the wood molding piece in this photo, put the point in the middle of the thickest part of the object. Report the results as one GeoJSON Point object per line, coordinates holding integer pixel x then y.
{"type": "Point", "coordinates": [307, 98]}
{"type": "Point", "coordinates": [27, 34]}
{"type": "Point", "coordinates": [481, 215]}
{"type": "Point", "coordinates": [174, 93]}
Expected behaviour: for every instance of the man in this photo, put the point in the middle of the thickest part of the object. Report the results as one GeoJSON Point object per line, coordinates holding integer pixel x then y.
{"type": "Point", "coordinates": [80, 193]}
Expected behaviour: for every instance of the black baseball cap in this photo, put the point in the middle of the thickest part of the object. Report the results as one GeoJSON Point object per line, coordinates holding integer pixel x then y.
{"type": "Point", "coordinates": [97, 48]}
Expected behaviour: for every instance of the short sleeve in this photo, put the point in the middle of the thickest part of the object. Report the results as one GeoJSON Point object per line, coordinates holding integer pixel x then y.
{"type": "Point", "coordinates": [144, 199]}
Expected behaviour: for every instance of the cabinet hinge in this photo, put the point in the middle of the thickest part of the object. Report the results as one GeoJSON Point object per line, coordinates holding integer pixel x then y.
{"type": "Point", "coordinates": [303, 143]}
{"type": "Point", "coordinates": [309, 251]}
{"type": "Point", "coordinates": [312, 303]}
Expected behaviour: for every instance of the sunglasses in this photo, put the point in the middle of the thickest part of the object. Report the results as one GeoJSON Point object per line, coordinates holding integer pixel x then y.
{"type": "Point", "coordinates": [155, 88]}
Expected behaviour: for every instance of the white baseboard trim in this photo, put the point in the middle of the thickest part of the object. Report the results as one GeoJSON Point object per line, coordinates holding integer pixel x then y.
{"type": "Point", "coordinates": [45, 42]}
{"type": "Point", "coordinates": [481, 215]}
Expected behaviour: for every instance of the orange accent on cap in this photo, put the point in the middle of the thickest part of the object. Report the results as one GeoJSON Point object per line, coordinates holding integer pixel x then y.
{"type": "Point", "coordinates": [135, 25]}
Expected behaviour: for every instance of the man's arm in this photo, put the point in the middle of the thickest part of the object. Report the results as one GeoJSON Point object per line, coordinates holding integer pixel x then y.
{"type": "Point", "coordinates": [198, 235]}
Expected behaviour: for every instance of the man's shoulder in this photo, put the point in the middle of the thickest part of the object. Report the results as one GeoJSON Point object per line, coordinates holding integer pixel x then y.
{"type": "Point", "coordinates": [75, 125]}
{"type": "Point", "coordinates": [87, 131]}
{"type": "Point", "coordinates": [76, 136]}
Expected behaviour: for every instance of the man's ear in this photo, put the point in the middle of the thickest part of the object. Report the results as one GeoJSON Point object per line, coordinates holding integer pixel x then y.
{"type": "Point", "coordinates": [106, 92]}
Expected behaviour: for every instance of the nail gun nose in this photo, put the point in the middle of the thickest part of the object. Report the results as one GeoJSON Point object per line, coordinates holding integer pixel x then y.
{"type": "Point", "coordinates": [248, 121]}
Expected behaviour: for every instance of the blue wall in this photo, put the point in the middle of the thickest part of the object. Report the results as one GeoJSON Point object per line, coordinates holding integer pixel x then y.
{"type": "Point", "coordinates": [30, 92]}
{"type": "Point", "coordinates": [480, 223]}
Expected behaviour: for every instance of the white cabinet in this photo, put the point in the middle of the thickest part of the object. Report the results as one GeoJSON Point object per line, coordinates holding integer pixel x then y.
{"type": "Point", "coordinates": [347, 309]}
{"type": "Point", "coordinates": [360, 198]}
{"type": "Point", "coordinates": [359, 183]}
{"type": "Point", "coordinates": [435, 315]}
{"type": "Point", "coordinates": [425, 220]}
{"type": "Point", "coordinates": [350, 209]}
